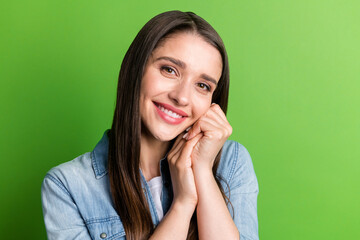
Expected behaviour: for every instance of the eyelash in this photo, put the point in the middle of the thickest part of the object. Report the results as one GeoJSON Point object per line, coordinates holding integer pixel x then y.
{"type": "Point", "coordinates": [166, 68]}
{"type": "Point", "coordinates": [208, 88]}
{"type": "Point", "coordinates": [201, 85]}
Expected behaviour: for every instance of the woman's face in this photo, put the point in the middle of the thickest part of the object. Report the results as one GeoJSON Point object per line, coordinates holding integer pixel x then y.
{"type": "Point", "coordinates": [179, 80]}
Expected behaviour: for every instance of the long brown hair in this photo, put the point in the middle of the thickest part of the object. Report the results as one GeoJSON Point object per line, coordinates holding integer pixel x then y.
{"type": "Point", "coordinates": [124, 136]}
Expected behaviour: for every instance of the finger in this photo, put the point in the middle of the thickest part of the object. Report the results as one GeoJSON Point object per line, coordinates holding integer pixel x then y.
{"type": "Point", "coordinates": [178, 138]}
{"type": "Point", "coordinates": [176, 146]}
{"type": "Point", "coordinates": [179, 147]}
{"type": "Point", "coordinates": [195, 130]}
{"type": "Point", "coordinates": [217, 109]}
{"type": "Point", "coordinates": [220, 121]}
{"type": "Point", "coordinates": [204, 124]}
{"type": "Point", "coordinates": [213, 129]}
{"type": "Point", "coordinates": [213, 116]}
{"type": "Point", "coordinates": [185, 156]}
{"type": "Point", "coordinates": [187, 132]}
{"type": "Point", "coordinates": [183, 153]}
{"type": "Point", "coordinates": [214, 111]}
{"type": "Point", "coordinates": [172, 158]}
{"type": "Point", "coordinates": [176, 154]}
{"type": "Point", "coordinates": [219, 112]}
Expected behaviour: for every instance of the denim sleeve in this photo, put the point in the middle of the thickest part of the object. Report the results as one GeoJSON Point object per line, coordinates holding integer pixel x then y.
{"type": "Point", "coordinates": [61, 215]}
{"type": "Point", "coordinates": [244, 190]}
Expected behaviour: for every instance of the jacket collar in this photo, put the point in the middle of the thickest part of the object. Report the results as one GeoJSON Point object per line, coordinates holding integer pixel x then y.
{"type": "Point", "coordinates": [99, 159]}
{"type": "Point", "coordinates": [99, 156]}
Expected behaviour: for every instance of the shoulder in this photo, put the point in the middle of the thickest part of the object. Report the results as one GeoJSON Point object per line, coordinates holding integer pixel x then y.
{"type": "Point", "coordinates": [82, 177]}
{"type": "Point", "coordinates": [77, 202]}
{"type": "Point", "coordinates": [71, 176]}
{"type": "Point", "coordinates": [236, 167]}
{"type": "Point", "coordinates": [78, 166]}
{"type": "Point", "coordinates": [82, 163]}
{"type": "Point", "coordinates": [233, 156]}
{"type": "Point", "coordinates": [76, 198]}
{"type": "Point", "coordinates": [89, 166]}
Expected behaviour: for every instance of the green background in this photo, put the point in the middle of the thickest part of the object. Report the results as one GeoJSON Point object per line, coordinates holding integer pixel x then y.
{"type": "Point", "coordinates": [294, 101]}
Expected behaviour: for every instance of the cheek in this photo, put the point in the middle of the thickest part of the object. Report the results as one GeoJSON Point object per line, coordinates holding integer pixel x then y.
{"type": "Point", "coordinates": [201, 106]}
{"type": "Point", "coordinates": [147, 87]}
{"type": "Point", "coordinates": [151, 85]}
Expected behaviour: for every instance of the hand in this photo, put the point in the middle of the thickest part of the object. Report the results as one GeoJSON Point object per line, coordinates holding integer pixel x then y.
{"type": "Point", "coordinates": [214, 130]}
{"type": "Point", "coordinates": [182, 176]}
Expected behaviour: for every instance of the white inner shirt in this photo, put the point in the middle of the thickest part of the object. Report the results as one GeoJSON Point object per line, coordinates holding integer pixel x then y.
{"type": "Point", "coordinates": [155, 185]}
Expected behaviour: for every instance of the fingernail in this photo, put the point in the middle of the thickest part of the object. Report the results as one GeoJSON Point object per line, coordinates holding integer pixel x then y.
{"type": "Point", "coordinates": [188, 163]}
{"type": "Point", "coordinates": [213, 103]}
{"type": "Point", "coordinates": [185, 135]}
{"type": "Point", "coordinates": [186, 130]}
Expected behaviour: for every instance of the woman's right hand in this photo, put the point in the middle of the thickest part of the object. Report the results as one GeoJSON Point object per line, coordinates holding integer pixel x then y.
{"type": "Point", "coordinates": [182, 176]}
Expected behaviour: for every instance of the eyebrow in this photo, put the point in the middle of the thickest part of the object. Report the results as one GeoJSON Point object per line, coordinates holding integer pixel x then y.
{"type": "Point", "coordinates": [183, 65]}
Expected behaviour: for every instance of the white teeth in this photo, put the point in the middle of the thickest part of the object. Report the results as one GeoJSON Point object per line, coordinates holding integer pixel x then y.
{"type": "Point", "coordinates": [169, 112]}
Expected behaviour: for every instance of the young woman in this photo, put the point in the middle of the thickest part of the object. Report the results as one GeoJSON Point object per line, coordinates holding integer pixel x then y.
{"type": "Point", "coordinates": [165, 169]}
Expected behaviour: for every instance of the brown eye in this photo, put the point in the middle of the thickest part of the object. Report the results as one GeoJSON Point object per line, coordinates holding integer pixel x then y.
{"type": "Point", "coordinates": [204, 86]}
{"type": "Point", "coordinates": [168, 70]}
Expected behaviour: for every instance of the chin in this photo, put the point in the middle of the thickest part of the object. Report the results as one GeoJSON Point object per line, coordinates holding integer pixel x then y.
{"type": "Point", "coordinates": [165, 133]}
{"type": "Point", "coordinates": [165, 137]}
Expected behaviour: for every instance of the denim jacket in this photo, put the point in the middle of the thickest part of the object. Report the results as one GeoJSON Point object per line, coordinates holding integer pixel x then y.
{"type": "Point", "coordinates": [77, 202]}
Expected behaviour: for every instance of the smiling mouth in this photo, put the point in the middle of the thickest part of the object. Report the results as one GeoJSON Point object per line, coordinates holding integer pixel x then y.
{"type": "Point", "coordinates": [168, 112]}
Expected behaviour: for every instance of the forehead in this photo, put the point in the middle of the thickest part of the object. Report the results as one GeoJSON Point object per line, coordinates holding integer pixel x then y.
{"type": "Point", "coordinates": [190, 48]}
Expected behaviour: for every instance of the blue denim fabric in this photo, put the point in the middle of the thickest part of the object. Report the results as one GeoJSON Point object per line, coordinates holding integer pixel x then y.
{"type": "Point", "coordinates": [77, 203]}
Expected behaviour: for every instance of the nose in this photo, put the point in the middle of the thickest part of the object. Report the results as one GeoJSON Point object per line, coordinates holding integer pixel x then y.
{"type": "Point", "coordinates": [180, 95]}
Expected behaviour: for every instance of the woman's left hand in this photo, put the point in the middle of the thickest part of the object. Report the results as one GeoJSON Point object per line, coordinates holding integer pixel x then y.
{"type": "Point", "coordinates": [216, 130]}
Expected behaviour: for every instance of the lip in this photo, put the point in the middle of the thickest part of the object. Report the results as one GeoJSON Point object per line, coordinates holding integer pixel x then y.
{"type": "Point", "coordinates": [167, 118]}
{"type": "Point", "coordinates": [171, 108]}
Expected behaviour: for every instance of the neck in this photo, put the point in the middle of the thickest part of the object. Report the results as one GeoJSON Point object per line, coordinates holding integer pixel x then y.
{"type": "Point", "coordinates": [151, 152]}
